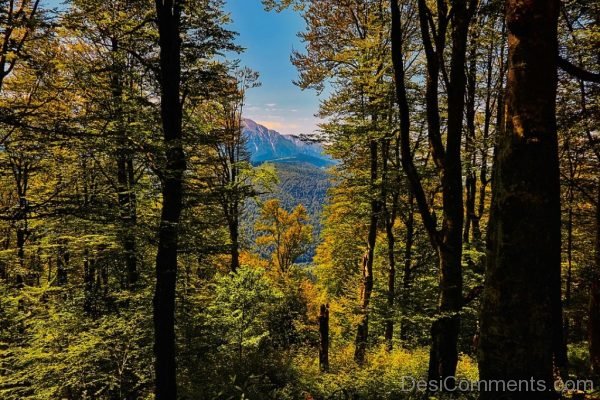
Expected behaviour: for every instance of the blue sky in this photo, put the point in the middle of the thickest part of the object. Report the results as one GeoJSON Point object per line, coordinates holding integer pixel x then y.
{"type": "Point", "coordinates": [269, 39]}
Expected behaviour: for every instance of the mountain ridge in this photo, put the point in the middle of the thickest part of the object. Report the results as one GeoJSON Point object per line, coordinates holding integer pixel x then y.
{"type": "Point", "coordinates": [268, 145]}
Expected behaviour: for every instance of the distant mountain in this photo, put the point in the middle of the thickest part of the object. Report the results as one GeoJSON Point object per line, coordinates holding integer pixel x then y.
{"type": "Point", "coordinates": [266, 145]}
{"type": "Point", "coordinates": [302, 177]}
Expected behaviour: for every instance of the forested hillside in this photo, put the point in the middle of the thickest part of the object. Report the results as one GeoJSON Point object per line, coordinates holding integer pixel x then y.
{"type": "Point", "coordinates": [301, 177]}
{"type": "Point", "coordinates": [297, 184]}
{"type": "Point", "coordinates": [431, 230]}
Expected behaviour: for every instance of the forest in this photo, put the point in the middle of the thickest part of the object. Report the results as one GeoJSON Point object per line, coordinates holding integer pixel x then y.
{"type": "Point", "coordinates": [451, 251]}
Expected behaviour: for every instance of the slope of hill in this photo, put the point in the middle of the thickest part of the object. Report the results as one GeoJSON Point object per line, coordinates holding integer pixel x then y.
{"type": "Point", "coordinates": [301, 170]}
{"type": "Point", "coordinates": [265, 145]}
{"type": "Point", "coordinates": [299, 183]}
{"type": "Point", "coordinates": [307, 185]}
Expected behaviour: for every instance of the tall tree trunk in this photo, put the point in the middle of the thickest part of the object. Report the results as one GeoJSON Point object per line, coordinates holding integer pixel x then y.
{"type": "Point", "coordinates": [125, 173]}
{"type": "Point", "coordinates": [128, 215]}
{"type": "Point", "coordinates": [448, 241]}
{"type": "Point", "coordinates": [521, 299]}
{"type": "Point", "coordinates": [89, 275]}
{"type": "Point", "coordinates": [362, 331]}
{"type": "Point", "coordinates": [470, 167]}
{"type": "Point", "coordinates": [169, 17]}
{"type": "Point", "coordinates": [483, 172]}
{"type": "Point", "coordinates": [391, 292]}
{"type": "Point", "coordinates": [570, 205]}
{"type": "Point", "coordinates": [389, 213]}
{"type": "Point", "coordinates": [21, 236]}
{"type": "Point", "coordinates": [446, 329]}
{"type": "Point", "coordinates": [234, 218]}
{"type": "Point", "coordinates": [594, 306]}
{"type": "Point", "coordinates": [21, 171]}
{"type": "Point", "coordinates": [407, 270]}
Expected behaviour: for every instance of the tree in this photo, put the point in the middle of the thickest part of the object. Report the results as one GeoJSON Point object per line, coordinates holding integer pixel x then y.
{"type": "Point", "coordinates": [287, 234]}
{"type": "Point", "coordinates": [347, 47]}
{"type": "Point", "coordinates": [232, 184]}
{"type": "Point", "coordinates": [521, 300]}
{"type": "Point", "coordinates": [20, 23]}
{"type": "Point", "coordinates": [447, 158]}
{"type": "Point", "coordinates": [111, 93]}
{"type": "Point", "coordinates": [169, 28]}
{"type": "Point", "coordinates": [243, 302]}
{"type": "Point", "coordinates": [577, 112]}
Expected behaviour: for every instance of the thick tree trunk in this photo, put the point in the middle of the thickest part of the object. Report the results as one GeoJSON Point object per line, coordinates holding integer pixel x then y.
{"type": "Point", "coordinates": [324, 338]}
{"type": "Point", "coordinates": [445, 330]}
{"type": "Point", "coordinates": [169, 15]}
{"type": "Point", "coordinates": [521, 299]}
{"type": "Point", "coordinates": [362, 331]}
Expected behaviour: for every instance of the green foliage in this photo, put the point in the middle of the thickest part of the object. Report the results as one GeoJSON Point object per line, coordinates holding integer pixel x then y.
{"type": "Point", "coordinates": [244, 329]}
{"type": "Point", "coordinates": [80, 171]}
{"type": "Point", "coordinates": [286, 234]}
{"type": "Point", "coordinates": [242, 303]}
{"type": "Point", "coordinates": [51, 351]}
{"type": "Point", "coordinates": [386, 375]}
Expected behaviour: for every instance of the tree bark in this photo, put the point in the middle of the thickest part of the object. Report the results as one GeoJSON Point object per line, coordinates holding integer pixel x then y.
{"type": "Point", "coordinates": [391, 292]}
{"type": "Point", "coordinates": [448, 241]}
{"type": "Point", "coordinates": [470, 167]}
{"type": "Point", "coordinates": [521, 299]}
{"type": "Point", "coordinates": [389, 212]}
{"type": "Point", "coordinates": [483, 173]}
{"type": "Point", "coordinates": [407, 271]}
{"type": "Point", "coordinates": [125, 174]}
{"type": "Point", "coordinates": [169, 18]}
{"type": "Point", "coordinates": [21, 236]}
{"type": "Point", "coordinates": [234, 234]}
{"type": "Point", "coordinates": [362, 331]}
{"type": "Point", "coordinates": [89, 275]}
{"type": "Point", "coordinates": [594, 305]}
{"type": "Point", "coordinates": [449, 248]}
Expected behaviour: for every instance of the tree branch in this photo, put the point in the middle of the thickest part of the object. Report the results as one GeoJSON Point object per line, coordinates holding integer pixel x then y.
{"type": "Point", "coordinates": [577, 72]}
{"type": "Point", "coordinates": [401, 97]}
